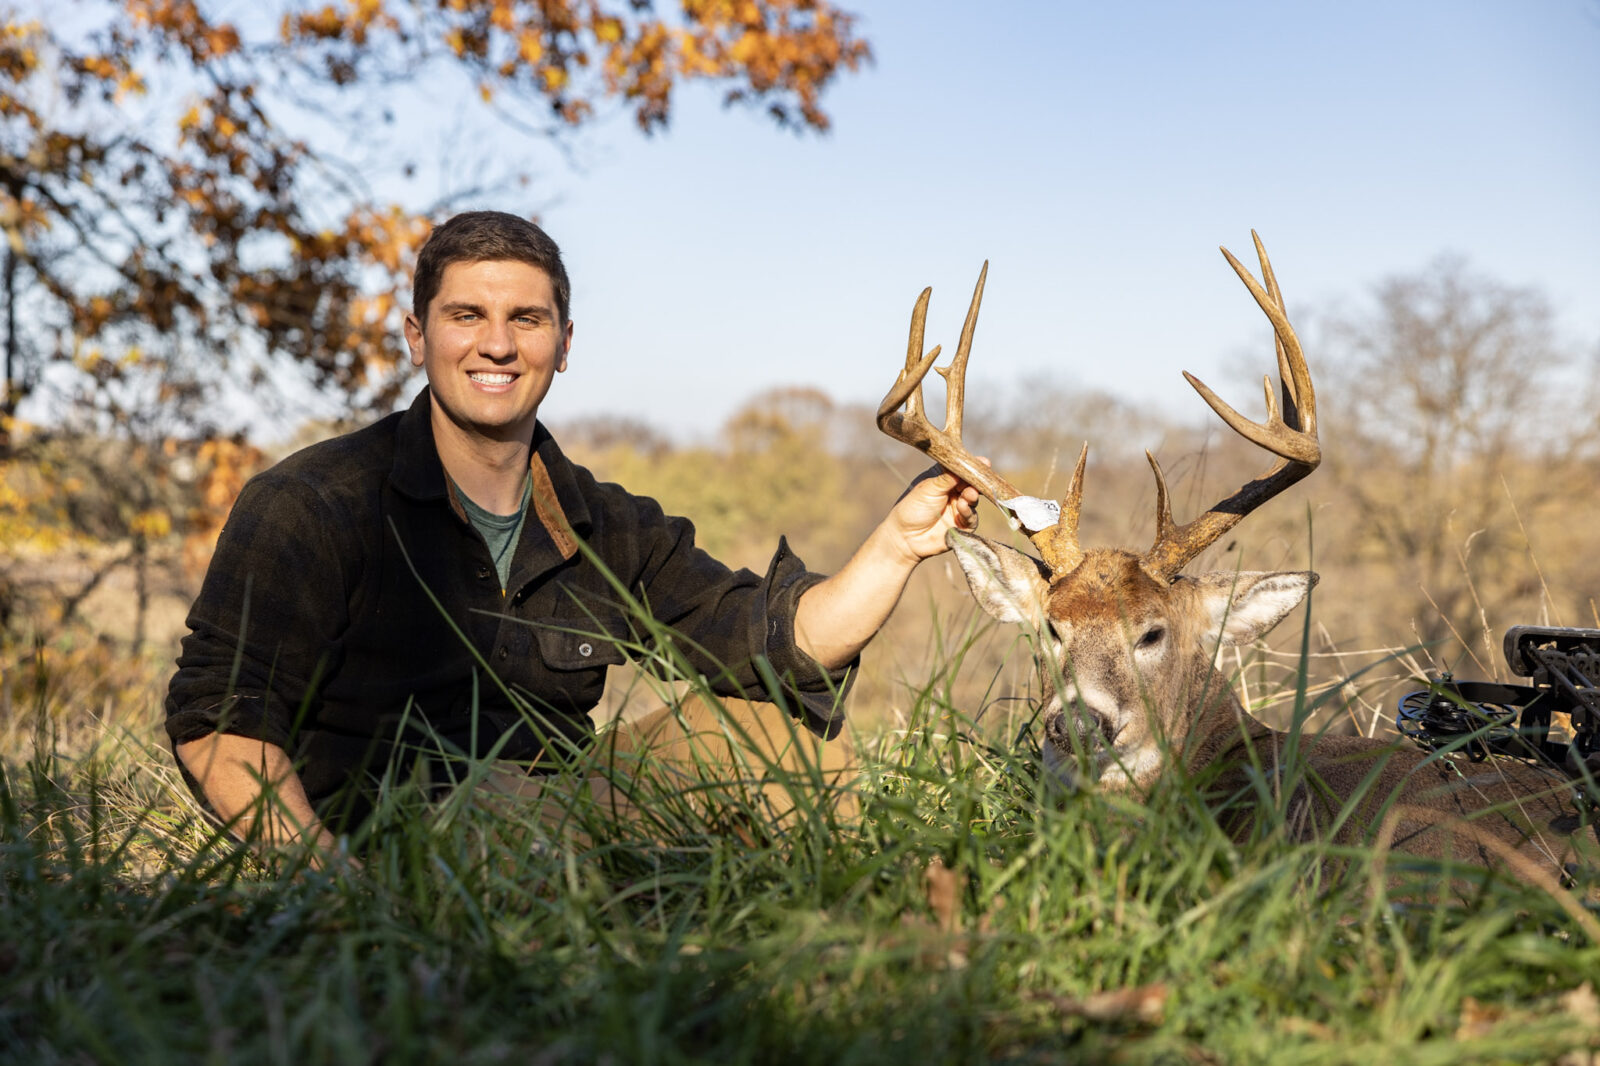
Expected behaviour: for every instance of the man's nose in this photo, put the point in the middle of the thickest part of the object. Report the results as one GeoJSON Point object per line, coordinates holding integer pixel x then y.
{"type": "Point", "coordinates": [496, 339]}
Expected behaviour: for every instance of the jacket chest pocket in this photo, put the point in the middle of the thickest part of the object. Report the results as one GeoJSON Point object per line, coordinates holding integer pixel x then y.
{"type": "Point", "coordinates": [564, 669]}
{"type": "Point", "coordinates": [564, 645]}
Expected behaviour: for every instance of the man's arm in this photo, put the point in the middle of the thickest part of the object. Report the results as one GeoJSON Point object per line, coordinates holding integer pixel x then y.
{"type": "Point", "coordinates": [836, 618]}
{"type": "Point", "coordinates": [234, 772]}
{"type": "Point", "coordinates": [266, 624]}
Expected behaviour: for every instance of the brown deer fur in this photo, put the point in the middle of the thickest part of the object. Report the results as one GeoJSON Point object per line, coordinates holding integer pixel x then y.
{"type": "Point", "coordinates": [1130, 683]}
{"type": "Point", "coordinates": [1126, 643]}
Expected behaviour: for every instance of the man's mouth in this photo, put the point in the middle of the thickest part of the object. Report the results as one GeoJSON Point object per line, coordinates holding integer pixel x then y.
{"type": "Point", "coordinates": [488, 377]}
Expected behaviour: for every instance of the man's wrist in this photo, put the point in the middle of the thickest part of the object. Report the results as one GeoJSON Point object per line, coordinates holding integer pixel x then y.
{"type": "Point", "coordinates": [892, 546]}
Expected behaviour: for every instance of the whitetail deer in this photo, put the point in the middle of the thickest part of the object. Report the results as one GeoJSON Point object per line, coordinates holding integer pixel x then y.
{"type": "Point", "coordinates": [1122, 642]}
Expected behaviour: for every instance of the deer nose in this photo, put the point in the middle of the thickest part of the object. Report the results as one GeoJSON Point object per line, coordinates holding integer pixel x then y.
{"type": "Point", "coordinates": [1079, 720]}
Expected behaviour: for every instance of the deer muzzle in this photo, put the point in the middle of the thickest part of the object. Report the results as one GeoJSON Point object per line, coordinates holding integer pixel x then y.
{"type": "Point", "coordinates": [1079, 742]}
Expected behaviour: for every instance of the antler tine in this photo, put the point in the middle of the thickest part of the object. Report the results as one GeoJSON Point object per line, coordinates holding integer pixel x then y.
{"type": "Point", "coordinates": [1165, 526]}
{"type": "Point", "coordinates": [1299, 396]}
{"type": "Point", "coordinates": [1285, 371]}
{"type": "Point", "coordinates": [1072, 502]}
{"type": "Point", "coordinates": [907, 388]}
{"type": "Point", "coordinates": [1289, 433]}
{"type": "Point", "coordinates": [955, 375]}
{"type": "Point", "coordinates": [1290, 381]}
{"type": "Point", "coordinates": [1059, 543]}
{"type": "Point", "coordinates": [912, 427]}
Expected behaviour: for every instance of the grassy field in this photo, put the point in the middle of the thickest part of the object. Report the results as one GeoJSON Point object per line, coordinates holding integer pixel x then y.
{"type": "Point", "coordinates": [965, 916]}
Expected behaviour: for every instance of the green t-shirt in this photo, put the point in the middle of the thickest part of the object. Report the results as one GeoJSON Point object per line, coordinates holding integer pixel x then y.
{"type": "Point", "coordinates": [500, 531]}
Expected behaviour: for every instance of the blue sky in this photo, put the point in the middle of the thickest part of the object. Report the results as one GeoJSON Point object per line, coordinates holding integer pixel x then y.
{"type": "Point", "coordinates": [1096, 154]}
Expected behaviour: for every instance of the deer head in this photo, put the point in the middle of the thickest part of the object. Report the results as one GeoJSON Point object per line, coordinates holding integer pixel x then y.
{"type": "Point", "coordinates": [1125, 642]}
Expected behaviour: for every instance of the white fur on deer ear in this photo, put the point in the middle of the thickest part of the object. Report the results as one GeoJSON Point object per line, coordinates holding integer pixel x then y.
{"type": "Point", "coordinates": [1245, 605]}
{"type": "Point", "coordinates": [1008, 584]}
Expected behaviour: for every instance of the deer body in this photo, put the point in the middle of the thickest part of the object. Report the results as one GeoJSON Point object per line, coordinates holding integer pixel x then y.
{"type": "Point", "coordinates": [1126, 645]}
{"type": "Point", "coordinates": [1345, 789]}
{"type": "Point", "coordinates": [1127, 668]}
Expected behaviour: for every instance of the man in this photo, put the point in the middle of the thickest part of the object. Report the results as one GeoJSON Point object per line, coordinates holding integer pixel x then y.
{"type": "Point", "coordinates": [446, 581]}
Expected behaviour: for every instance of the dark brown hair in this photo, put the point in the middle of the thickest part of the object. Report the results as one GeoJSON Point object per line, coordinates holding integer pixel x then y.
{"type": "Point", "coordinates": [477, 236]}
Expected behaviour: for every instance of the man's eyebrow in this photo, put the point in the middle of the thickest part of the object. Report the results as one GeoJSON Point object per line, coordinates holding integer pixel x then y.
{"type": "Point", "coordinates": [537, 310]}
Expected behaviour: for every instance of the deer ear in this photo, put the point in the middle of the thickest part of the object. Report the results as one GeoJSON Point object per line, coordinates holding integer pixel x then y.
{"type": "Point", "coordinates": [1009, 584]}
{"type": "Point", "coordinates": [1245, 605]}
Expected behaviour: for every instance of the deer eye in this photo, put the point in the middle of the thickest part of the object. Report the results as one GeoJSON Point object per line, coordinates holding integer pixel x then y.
{"type": "Point", "coordinates": [1152, 637]}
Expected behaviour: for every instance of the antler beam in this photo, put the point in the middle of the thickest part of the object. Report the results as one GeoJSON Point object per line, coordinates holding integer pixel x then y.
{"type": "Point", "coordinates": [1057, 541]}
{"type": "Point", "coordinates": [1290, 433]}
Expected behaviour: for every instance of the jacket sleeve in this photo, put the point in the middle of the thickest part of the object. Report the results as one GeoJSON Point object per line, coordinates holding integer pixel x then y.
{"type": "Point", "coordinates": [266, 626]}
{"type": "Point", "coordinates": [739, 627]}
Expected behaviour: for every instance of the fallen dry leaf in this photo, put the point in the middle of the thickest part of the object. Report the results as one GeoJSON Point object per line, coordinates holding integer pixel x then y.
{"type": "Point", "coordinates": [943, 890]}
{"type": "Point", "coordinates": [1477, 1019]}
{"type": "Point", "coordinates": [1583, 1005]}
{"type": "Point", "coordinates": [1307, 1027]}
{"type": "Point", "coordinates": [1144, 1004]}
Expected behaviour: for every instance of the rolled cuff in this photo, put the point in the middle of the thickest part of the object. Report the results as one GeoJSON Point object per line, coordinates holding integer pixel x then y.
{"type": "Point", "coordinates": [244, 716]}
{"type": "Point", "coordinates": [816, 693]}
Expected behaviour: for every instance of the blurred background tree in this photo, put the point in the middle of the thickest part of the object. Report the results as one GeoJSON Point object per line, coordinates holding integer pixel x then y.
{"type": "Point", "coordinates": [1459, 423]}
{"type": "Point", "coordinates": [172, 217]}
{"type": "Point", "coordinates": [200, 198]}
{"type": "Point", "coordinates": [202, 201]}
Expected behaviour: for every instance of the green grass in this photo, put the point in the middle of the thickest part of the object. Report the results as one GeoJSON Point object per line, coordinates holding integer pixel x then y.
{"type": "Point", "coordinates": [130, 932]}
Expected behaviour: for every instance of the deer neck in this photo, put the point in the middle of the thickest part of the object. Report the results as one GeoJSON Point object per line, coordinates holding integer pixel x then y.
{"type": "Point", "coordinates": [1221, 725]}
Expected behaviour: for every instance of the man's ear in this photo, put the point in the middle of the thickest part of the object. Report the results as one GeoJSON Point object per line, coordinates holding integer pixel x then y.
{"type": "Point", "coordinates": [413, 330]}
{"type": "Point", "coordinates": [1245, 605]}
{"type": "Point", "coordinates": [566, 347]}
{"type": "Point", "coordinates": [1009, 584]}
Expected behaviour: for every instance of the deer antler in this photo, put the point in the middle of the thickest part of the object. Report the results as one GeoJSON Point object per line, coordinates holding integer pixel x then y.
{"type": "Point", "coordinates": [1057, 541]}
{"type": "Point", "coordinates": [1290, 435]}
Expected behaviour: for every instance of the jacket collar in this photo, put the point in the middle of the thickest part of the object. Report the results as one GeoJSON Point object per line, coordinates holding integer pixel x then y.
{"type": "Point", "coordinates": [417, 471]}
{"type": "Point", "coordinates": [554, 475]}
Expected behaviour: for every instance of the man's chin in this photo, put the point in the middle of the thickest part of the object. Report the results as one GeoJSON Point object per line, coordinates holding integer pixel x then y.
{"type": "Point", "coordinates": [492, 421]}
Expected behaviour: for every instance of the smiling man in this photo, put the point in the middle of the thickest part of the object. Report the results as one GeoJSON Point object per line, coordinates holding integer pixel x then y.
{"type": "Point", "coordinates": [439, 584]}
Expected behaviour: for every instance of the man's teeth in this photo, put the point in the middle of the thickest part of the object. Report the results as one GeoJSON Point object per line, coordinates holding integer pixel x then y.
{"type": "Point", "coordinates": [484, 378]}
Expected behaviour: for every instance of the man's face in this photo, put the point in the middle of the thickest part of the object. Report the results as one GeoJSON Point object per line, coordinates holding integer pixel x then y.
{"type": "Point", "coordinates": [492, 345]}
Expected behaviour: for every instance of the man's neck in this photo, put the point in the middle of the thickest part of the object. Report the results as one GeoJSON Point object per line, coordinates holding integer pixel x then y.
{"type": "Point", "coordinates": [492, 472]}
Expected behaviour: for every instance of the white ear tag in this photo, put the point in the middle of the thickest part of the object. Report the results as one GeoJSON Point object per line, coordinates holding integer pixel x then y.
{"type": "Point", "coordinates": [1031, 514]}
